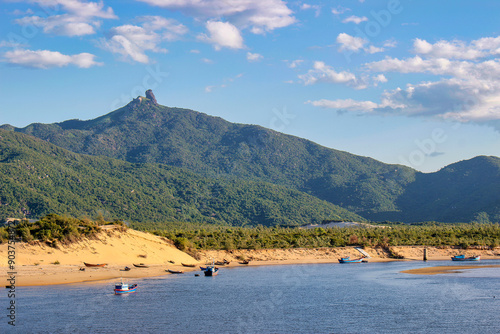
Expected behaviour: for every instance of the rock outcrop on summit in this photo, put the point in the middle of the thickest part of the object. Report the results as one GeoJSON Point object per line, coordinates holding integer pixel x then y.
{"type": "Point", "coordinates": [151, 96]}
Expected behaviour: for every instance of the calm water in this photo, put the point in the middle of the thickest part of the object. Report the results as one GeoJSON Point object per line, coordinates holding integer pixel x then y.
{"type": "Point", "coordinates": [326, 298]}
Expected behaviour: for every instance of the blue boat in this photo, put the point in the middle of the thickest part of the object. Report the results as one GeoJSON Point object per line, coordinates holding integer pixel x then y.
{"type": "Point", "coordinates": [122, 288]}
{"type": "Point", "coordinates": [348, 260]}
{"type": "Point", "coordinates": [463, 258]}
{"type": "Point", "coordinates": [211, 271]}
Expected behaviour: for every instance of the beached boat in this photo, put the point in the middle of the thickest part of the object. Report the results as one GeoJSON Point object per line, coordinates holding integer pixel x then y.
{"type": "Point", "coordinates": [175, 271]}
{"type": "Point", "coordinates": [245, 262]}
{"type": "Point", "coordinates": [463, 258]}
{"type": "Point", "coordinates": [189, 265]}
{"type": "Point", "coordinates": [141, 265]}
{"type": "Point", "coordinates": [94, 265]}
{"type": "Point", "coordinates": [122, 288]}
{"type": "Point", "coordinates": [348, 260]}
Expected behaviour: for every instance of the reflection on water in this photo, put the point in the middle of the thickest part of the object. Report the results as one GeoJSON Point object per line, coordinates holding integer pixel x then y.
{"type": "Point", "coordinates": [326, 298]}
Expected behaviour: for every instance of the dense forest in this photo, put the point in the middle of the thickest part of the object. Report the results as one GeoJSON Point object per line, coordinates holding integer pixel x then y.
{"type": "Point", "coordinates": [143, 132]}
{"type": "Point", "coordinates": [38, 178]}
{"type": "Point", "coordinates": [431, 234]}
{"type": "Point", "coordinates": [54, 229]}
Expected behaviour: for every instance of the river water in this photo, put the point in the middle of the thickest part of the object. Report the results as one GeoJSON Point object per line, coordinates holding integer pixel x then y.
{"type": "Point", "coordinates": [319, 298]}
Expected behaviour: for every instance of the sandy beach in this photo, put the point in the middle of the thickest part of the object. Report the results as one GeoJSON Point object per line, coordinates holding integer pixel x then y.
{"type": "Point", "coordinates": [40, 264]}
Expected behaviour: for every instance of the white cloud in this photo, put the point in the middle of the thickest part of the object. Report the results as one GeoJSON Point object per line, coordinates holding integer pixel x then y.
{"type": "Point", "coordinates": [79, 19]}
{"type": "Point", "coordinates": [355, 19]}
{"type": "Point", "coordinates": [380, 78]}
{"type": "Point", "coordinates": [133, 41]}
{"type": "Point", "coordinates": [253, 57]}
{"type": "Point", "coordinates": [347, 104]}
{"type": "Point", "coordinates": [355, 44]}
{"type": "Point", "coordinates": [45, 59]}
{"type": "Point", "coordinates": [316, 8]}
{"type": "Point", "coordinates": [295, 63]}
{"type": "Point", "coordinates": [194, 51]}
{"type": "Point", "coordinates": [351, 43]}
{"type": "Point", "coordinates": [222, 35]}
{"type": "Point", "coordinates": [258, 16]}
{"type": "Point", "coordinates": [483, 47]}
{"type": "Point", "coordinates": [339, 10]}
{"type": "Point", "coordinates": [324, 73]}
{"type": "Point", "coordinates": [466, 89]}
{"type": "Point", "coordinates": [207, 61]}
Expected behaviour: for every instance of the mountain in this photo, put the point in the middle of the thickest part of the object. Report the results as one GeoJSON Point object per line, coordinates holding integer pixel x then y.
{"type": "Point", "coordinates": [145, 132]}
{"type": "Point", "coordinates": [464, 191]}
{"type": "Point", "coordinates": [37, 178]}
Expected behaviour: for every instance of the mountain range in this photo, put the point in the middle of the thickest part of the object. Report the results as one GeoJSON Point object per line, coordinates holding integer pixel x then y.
{"type": "Point", "coordinates": [153, 137]}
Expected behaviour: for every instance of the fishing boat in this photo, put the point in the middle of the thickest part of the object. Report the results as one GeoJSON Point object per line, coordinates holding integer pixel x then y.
{"type": "Point", "coordinates": [463, 258]}
{"type": "Point", "coordinates": [211, 271]}
{"type": "Point", "coordinates": [141, 265]}
{"type": "Point", "coordinates": [175, 271]}
{"type": "Point", "coordinates": [122, 288]}
{"type": "Point", "coordinates": [189, 265]}
{"type": "Point", "coordinates": [245, 262]}
{"type": "Point", "coordinates": [94, 265]}
{"type": "Point", "coordinates": [348, 260]}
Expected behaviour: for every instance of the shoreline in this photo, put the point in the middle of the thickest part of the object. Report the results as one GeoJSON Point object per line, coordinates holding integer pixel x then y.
{"type": "Point", "coordinates": [37, 264]}
{"type": "Point", "coordinates": [52, 274]}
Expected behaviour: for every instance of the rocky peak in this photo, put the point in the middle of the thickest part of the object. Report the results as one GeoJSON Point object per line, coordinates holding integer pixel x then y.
{"type": "Point", "coordinates": [151, 96]}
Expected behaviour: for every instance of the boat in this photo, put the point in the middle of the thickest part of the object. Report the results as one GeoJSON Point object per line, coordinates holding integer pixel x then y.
{"type": "Point", "coordinates": [141, 265]}
{"type": "Point", "coordinates": [175, 271]}
{"type": "Point", "coordinates": [222, 263]}
{"type": "Point", "coordinates": [463, 258]}
{"type": "Point", "coordinates": [94, 265]}
{"type": "Point", "coordinates": [122, 288]}
{"type": "Point", "coordinates": [348, 260]}
{"type": "Point", "coordinates": [211, 271]}
{"type": "Point", "coordinates": [245, 262]}
{"type": "Point", "coordinates": [189, 265]}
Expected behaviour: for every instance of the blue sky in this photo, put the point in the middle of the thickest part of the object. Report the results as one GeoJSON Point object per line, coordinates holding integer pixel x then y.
{"type": "Point", "coordinates": [407, 82]}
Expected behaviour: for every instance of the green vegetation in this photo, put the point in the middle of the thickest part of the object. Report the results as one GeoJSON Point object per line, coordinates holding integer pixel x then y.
{"type": "Point", "coordinates": [53, 229]}
{"type": "Point", "coordinates": [230, 238]}
{"type": "Point", "coordinates": [39, 178]}
{"type": "Point", "coordinates": [143, 133]}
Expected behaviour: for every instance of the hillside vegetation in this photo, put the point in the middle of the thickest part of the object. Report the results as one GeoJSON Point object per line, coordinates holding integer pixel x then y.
{"type": "Point", "coordinates": [38, 178]}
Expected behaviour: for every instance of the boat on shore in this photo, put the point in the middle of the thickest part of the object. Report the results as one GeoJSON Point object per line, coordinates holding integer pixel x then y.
{"type": "Point", "coordinates": [174, 271]}
{"type": "Point", "coordinates": [348, 260]}
{"type": "Point", "coordinates": [189, 265]}
{"type": "Point", "coordinates": [463, 258]}
{"type": "Point", "coordinates": [141, 265]}
{"type": "Point", "coordinates": [122, 288]}
{"type": "Point", "coordinates": [94, 265]}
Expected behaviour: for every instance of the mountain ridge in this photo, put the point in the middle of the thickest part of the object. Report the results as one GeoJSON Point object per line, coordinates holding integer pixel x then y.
{"type": "Point", "coordinates": [145, 132]}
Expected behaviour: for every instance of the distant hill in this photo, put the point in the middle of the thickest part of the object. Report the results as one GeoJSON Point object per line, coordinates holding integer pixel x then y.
{"type": "Point", "coordinates": [146, 132]}
{"type": "Point", "coordinates": [37, 178]}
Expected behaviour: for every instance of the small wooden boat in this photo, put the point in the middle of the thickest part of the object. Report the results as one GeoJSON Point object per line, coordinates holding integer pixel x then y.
{"type": "Point", "coordinates": [463, 258]}
{"type": "Point", "coordinates": [245, 262]}
{"type": "Point", "coordinates": [94, 265]}
{"type": "Point", "coordinates": [222, 263]}
{"type": "Point", "coordinates": [122, 288]}
{"type": "Point", "coordinates": [141, 265]}
{"type": "Point", "coordinates": [211, 271]}
{"type": "Point", "coordinates": [171, 261]}
{"type": "Point", "coordinates": [189, 265]}
{"type": "Point", "coordinates": [348, 260]}
{"type": "Point", "coordinates": [175, 271]}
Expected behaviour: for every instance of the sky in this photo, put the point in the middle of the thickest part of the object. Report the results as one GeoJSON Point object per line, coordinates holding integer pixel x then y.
{"type": "Point", "coordinates": [402, 81]}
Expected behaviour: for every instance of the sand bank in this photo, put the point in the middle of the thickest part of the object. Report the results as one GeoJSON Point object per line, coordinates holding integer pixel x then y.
{"type": "Point", "coordinates": [445, 269]}
{"type": "Point", "coordinates": [39, 264]}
